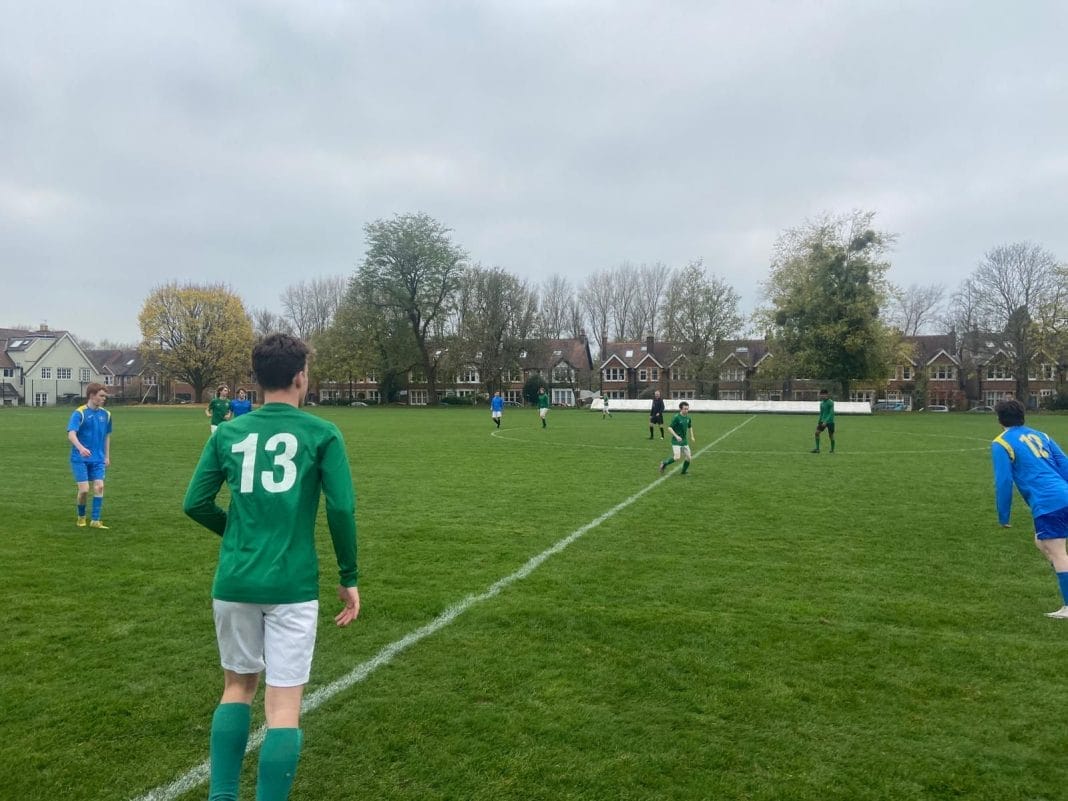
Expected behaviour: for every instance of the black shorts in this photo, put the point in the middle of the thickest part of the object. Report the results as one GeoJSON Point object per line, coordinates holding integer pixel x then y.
{"type": "Point", "coordinates": [655, 419]}
{"type": "Point", "coordinates": [822, 425]}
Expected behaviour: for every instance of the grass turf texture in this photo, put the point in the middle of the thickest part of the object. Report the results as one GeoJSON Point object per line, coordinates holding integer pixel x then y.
{"type": "Point", "coordinates": [775, 625]}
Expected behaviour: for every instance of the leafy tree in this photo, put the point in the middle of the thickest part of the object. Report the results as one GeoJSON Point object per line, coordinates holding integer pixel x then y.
{"type": "Point", "coordinates": [197, 334]}
{"type": "Point", "coordinates": [826, 287]}
{"type": "Point", "coordinates": [700, 310]}
{"type": "Point", "coordinates": [410, 274]}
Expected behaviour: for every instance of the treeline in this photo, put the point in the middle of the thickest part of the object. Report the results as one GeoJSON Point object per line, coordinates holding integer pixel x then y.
{"type": "Point", "coordinates": [418, 303]}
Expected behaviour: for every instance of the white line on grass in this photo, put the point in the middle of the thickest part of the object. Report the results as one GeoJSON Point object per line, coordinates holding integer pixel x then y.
{"type": "Point", "coordinates": [200, 774]}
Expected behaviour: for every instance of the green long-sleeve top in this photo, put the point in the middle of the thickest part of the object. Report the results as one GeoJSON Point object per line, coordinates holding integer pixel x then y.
{"type": "Point", "coordinates": [276, 462]}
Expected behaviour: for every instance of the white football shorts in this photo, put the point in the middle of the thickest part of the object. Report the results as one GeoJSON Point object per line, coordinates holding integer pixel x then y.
{"type": "Point", "coordinates": [681, 452]}
{"type": "Point", "coordinates": [278, 638]}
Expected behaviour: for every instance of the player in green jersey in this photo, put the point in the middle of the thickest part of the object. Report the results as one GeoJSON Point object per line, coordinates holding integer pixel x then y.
{"type": "Point", "coordinates": [219, 407]}
{"type": "Point", "coordinates": [681, 436]}
{"type": "Point", "coordinates": [276, 461]}
{"type": "Point", "coordinates": [826, 420]}
{"type": "Point", "coordinates": [543, 405]}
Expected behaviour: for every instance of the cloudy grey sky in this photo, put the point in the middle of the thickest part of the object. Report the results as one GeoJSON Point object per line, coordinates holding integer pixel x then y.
{"type": "Point", "coordinates": [250, 142]}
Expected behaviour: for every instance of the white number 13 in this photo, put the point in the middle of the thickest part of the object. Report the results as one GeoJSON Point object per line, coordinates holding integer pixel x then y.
{"type": "Point", "coordinates": [286, 443]}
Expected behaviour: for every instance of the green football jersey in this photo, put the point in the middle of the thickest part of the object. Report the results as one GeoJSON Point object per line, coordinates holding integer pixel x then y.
{"type": "Point", "coordinates": [543, 401]}
{"type": "Point", "coordinates": [276, 461]}
{"type": "Point", "coordinates": [219, 407]}
{"type": "Point", "coordinates": [681, 424]}
{"type": "Point", "coordinates": [826, 410]}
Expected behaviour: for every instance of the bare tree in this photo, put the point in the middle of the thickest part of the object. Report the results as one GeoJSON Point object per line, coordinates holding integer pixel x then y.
{"type": "Point", "coordinates": [913, 309]}
{"type": "Point", "coordinates": [1014, 284]}
{"type": "Point", "coordinates": [595, 298]}
{"type": "Point", "coordinates": [265, 321]}
{"type": "Point", "coordinates": [624, 280]}
{"type": "Point", "coordinates": [557, 298]}
{"type": "Point", "coordinates": [310, 306]}
{"type": "Point", "coordinates": [653, 282]}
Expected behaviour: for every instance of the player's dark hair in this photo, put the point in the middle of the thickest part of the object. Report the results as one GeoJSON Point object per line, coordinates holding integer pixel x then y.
{"type": "Point", "coordinates": [684, 405]}
{"type": "Point", "coordinates": [823, 392]}
{"type": "Point", "coordinates": [1010, 412]}
{"type": "Point", "coordinates": [92, 389]}
{"type": "Point", "coordinates": [276, 360]}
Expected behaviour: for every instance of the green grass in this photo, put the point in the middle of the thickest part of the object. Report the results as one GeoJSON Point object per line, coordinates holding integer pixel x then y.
{"type": "Point", "coordinates": [775, 625]}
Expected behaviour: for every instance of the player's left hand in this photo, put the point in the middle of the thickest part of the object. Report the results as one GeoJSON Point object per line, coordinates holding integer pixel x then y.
{"type": "Point", "coordinates": [350, 596]}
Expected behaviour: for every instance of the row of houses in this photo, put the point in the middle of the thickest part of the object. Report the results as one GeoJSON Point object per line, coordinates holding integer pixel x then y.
{"type": "Point", "coordinates": [45, 367]}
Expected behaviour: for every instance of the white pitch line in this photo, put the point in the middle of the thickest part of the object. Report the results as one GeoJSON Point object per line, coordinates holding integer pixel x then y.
{"type": "Point", "coordinates": [201, 773]}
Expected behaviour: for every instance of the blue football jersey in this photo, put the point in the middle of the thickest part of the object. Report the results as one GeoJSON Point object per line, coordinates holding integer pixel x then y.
{"type": "Point", "coordinates": [93, 427]}
{"type": "Point", "coordinates": [1037, 465]}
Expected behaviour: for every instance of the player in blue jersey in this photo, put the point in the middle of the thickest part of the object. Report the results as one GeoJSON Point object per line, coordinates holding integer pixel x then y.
{"type": "Point", "coordinates": [497, 408]}
{"type": "Point", "coordinates": [240, 405]}
{"type": "Point", "coordinates": [1039, 468]}
{"type": "Point", "coordinates": [89, 432]}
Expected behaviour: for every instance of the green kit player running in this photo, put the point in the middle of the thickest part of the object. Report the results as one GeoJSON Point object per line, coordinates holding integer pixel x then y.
{"type": "Point", "coordinates": [543, 406]}
{"type": "Point", "coordinates": [276, 461]}
{"type": "Point", "coordinates": [826, 420]}
{"type": "Point", "coordinates": [219, 407]}
{"type": "Point", "coordinates": [681, 436]}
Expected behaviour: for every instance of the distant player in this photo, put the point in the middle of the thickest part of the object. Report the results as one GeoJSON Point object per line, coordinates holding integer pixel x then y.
{"type": "Point", "coordinates": [1039, 468]}
{"type": "Point", "coordinates": [543, 406]}
{"type": "Point", "coordinates": [276, 461]}
{"type": "Point", "coordinates": [656, 414]}
{"type": "Point", "coordinates": [497, 408]}
{"type": "Point", "coordinates": [240, 405]}
{"type": "Point", "coordinates": [89, 433]}
{"type": "Point", "coordinates": [219, 407]}
{"type": "Point", "coordinates": [606, 413]}
{"type": "Point", "coordinates": [826, 420]}
{"type": "Point", "coordinates": [681, 436]}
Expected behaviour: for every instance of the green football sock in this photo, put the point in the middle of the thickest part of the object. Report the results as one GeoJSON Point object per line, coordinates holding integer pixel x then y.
{"type": "Point", "coordinates": [229, 736]}
{"type": "Point", "coordinates": [685, 467]}
{"type": "Point", "coordinates": [671, 460]}
{"type": "Point", "coordinates": [279, 755]}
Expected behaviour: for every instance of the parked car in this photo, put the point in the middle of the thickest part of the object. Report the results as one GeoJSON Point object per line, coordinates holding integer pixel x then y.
{"type": "Point", "coordinates": [981, 409]}
{"type": "Point", "coordinates": [357, 403]}
{"type": "Point", "coordinates": [889, 406]}
{"type": "Point", "coordinates": [935, 408]}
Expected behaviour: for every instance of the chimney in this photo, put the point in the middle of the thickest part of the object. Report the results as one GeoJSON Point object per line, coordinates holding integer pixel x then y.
{"type": "Point", "coordinates": [649, 344]}
{"type": "Point", "coordinates": [582, 335]}
{"type": "Point", "coordinates": [44, 327]}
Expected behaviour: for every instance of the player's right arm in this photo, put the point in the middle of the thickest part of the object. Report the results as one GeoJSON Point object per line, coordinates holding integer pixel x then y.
{"type": "Point", "coordinates": [199, 501]}
{"type": "Point", "coordinates": [72, 433]}
{"type": "Point", "coordinates": [340, 507]}
{"type": "Point", "coordinates": [1002, 481]}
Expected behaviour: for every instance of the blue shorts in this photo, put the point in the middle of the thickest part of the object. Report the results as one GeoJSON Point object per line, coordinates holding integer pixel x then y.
{"type": "Point", "coordinates": [89, 471]}
{"type": "Point", "coordinates": [1053, 526]}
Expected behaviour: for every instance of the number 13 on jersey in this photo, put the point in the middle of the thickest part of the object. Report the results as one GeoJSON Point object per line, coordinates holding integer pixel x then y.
{"type": "Point", "coordinates": [282, 447]}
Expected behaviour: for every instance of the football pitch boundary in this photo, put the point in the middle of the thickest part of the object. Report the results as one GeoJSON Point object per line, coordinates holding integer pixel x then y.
{"type": "Point", "coordinates": [200, 774]}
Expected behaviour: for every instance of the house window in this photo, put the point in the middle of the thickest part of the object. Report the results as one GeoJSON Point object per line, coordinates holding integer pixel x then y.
{"type": "Point", "coordinates": [654, 374]}
{"type": "Point", "coordinates": [862, 395]}
{"type": "Point", "coordinates": [563, 374]}
{"type": "Point", "coordinates": [417, 397]}
{"type": "Point", "coordinates": [150, 381]}
{"type": "Point", "coordinates": [63, 373]}
{"type": "Point", "coordinates": [682, 394]}
{"type": "Point", "coordinates": [643, 375]}
{"type": "Point", "coordinates": [514, 396]}
{"type": "Point", "coordinates": [1047, 372]}
{"type": "Point", "coordinates": [9, 372]}
{"type": "Point", "coordinates": [943, 372]}
{"type": "Point", "coordinates": [997, 371]}
{"type": "Point", "coordinates": [992, 396]}
{"type": "Point", "coordinates": [464, 393]}
{"type": "Point", "coordinates": [371, 378]}
{"type": "Point", "coordinates": [108, 379]}
{"type": "Point", "coordinates": [468, 375]}
{"type": "Point", "coordinates": [906, 372]}
{"type": "Point", "coordinates": [614, 374]}
{"type": "Point", "coordinates": [84, 375]}
{"type": "Point", "coordinates": [680, 373]}
{"type": "Point", "coordinates": [373, 395]}
{"type": "Point", "coordinates": [732, 374]}
{"type": "Point", "coordinates": [40, 399]}
{"type": "Point", "coordinates": [563, 397]}
{"type": "Point", "coordinates": [46, 372]}
{"type": "Point", "coordinates": [730, 394]}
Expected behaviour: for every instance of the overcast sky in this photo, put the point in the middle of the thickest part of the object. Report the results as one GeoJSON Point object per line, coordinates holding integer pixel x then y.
{"type": "Point", "coordinates": [250, 142]}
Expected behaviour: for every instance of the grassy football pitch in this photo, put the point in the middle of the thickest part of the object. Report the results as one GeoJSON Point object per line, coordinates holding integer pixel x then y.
{"type": "Point", "coordinates": [776, 625]}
